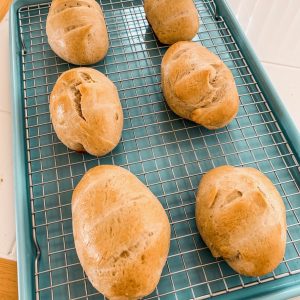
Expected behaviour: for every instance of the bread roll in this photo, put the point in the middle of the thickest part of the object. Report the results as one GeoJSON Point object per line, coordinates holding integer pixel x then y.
{"type": "Point", "coordinates": [76, 31]}
{"type": "Point", "coordinates": [121, 233]}
{"type": "Point", "coordinates": [86, 111]}
{"type": "Point", "coordinates": [241, 217]}
{"type": "Point", "coordinates": [198, 86]}
{"type": "Point", "coordinates": [172, 20]}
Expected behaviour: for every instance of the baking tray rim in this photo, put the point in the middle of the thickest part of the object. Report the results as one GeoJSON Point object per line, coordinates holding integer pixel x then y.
{"type": "Point", "coordinates": [282, 288]}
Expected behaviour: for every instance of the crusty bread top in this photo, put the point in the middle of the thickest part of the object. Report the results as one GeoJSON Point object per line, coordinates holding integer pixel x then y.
{"type": "Point", "coordinates": [198, 86]}
{"type": "Point", "coordinates": [76, 31]}
{"type": "Point", "coordinates": [86, 111]}
{"type": "Point", "coordinates": [172, 21]}
{"type": "Point", "coordinates": [121, 232]}
{"type": "Point", "coordinates": [241, 217]}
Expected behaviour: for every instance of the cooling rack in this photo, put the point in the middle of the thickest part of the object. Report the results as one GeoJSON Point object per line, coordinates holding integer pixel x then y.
{"type": "Point", "coordinates": [169, 154]}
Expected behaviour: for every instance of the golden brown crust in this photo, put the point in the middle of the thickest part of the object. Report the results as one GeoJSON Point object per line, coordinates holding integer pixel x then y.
{"type": "Point", "coordinates": [198, 86]}
{"type": "Point", "coordinates": [241, 217]}
{"type": "Point", "coordinates": [172, 21]}
{"type": "Point", "coordinates": [76, 31]}
{"type": "Point", "coordinates": [86, 112]}
{"type": "Point", "coordinates": [121, 232]}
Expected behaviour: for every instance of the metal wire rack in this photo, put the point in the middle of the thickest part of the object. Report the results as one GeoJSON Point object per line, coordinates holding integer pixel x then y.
{"type": "Point", "coordinates": [167, 153]}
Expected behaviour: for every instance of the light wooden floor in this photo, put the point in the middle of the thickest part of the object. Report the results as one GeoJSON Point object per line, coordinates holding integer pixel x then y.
{"type": "Point", "coordinates": [8, 280]}
{"type": "Point", "coordinates": [4, 6]}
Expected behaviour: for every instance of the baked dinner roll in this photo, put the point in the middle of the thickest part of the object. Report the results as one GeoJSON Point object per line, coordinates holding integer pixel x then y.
{"type": "Point", "coordinates": [241, 217]}
{"type": "Point", "coordinates": [121, 233]}
{"type": "Point", "coordinates": [76, 31]}
{"type": "Point", "coordinates": [86, 112]}
{"type": "Point", "coordinates": [198, 86]}
{"type": "Point", "coordinates": [172, 21]}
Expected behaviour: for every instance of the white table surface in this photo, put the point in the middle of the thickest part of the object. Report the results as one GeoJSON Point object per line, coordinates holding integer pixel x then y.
{"type": "Point", "coordinates": [273, 29]}
{"type": "Point", "coordinates": [7, 215]}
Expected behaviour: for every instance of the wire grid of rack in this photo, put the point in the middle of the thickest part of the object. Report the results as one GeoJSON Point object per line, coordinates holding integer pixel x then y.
{"type": "Point", "coordinates": [167, 153]}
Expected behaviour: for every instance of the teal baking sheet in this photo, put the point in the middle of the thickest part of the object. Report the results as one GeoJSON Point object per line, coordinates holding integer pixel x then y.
{"type": "Point", "coordinates": [169, 154]}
